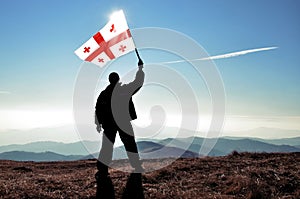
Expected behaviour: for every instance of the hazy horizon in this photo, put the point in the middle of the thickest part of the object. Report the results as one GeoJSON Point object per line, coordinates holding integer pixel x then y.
{"type": "Point", "coordinates": [67, 134]}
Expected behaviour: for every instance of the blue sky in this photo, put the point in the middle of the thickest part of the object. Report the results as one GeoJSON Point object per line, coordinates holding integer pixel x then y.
{"type": "Point", "coordinates": [38, 38]}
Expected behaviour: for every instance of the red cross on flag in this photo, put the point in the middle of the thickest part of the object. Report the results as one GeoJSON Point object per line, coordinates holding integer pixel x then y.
{"type": "Point", "coordinates": [112, 41]}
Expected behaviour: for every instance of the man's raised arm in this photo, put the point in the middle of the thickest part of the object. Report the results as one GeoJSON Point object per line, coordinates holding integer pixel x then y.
{"type": "Point", "coordinates": [138, 82]}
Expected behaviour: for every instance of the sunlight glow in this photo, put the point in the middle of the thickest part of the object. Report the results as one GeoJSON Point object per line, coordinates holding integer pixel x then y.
{"type": "Point", "coordinates": [116, 14]}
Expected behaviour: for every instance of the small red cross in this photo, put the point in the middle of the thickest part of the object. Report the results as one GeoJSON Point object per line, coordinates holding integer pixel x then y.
{"type": "Point", "coordinates": [112, 28]}
{"type": "Point", "coordinates": [101, 60]}
{"type": "Point", "coordinates": [122, 48]}
{"type": "Point", "coordinates": [87, 49]}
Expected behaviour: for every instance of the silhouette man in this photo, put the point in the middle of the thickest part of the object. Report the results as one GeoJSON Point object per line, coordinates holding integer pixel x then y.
{"type": "Point", "coordinates": [114, 112]}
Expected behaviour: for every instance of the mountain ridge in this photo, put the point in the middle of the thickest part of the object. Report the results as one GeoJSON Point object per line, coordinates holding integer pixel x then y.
{"type": "Point", "coordinates": [169, 147]}
{"type": "Point", "coordinates": [37, 157]}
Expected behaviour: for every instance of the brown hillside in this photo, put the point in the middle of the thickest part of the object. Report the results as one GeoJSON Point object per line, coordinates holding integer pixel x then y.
{"type": "Point", "coordinates": [245, 175]}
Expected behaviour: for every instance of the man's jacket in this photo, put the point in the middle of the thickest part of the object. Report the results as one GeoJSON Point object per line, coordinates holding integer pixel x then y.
{"type": "Point", "coordinates": [115, 105]}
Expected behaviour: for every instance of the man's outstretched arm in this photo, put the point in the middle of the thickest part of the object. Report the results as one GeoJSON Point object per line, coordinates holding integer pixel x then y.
{"type": "Point", "coordinates": [138, 82]}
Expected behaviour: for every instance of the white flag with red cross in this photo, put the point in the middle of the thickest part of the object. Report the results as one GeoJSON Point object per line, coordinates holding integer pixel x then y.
{"type": "Point", "coordinates": [112, 41]}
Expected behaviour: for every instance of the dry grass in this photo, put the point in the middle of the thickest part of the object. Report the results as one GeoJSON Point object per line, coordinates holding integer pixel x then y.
{"type": "Point", "coordinates": [245, 175]}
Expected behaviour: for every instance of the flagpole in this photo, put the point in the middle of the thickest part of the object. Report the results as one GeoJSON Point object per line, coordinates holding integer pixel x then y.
{"type": "Point", "coordinates": [140, 63]}
{"type": "Point", "coordinates": [137, 53]}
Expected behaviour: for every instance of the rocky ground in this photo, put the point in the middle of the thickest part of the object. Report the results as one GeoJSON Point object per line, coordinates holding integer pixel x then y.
{"type": "Point", "coordinates": [239, 175]}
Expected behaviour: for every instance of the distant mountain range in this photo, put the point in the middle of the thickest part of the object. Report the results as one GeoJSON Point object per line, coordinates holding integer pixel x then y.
{"type": "Point", "coordinates": [225, 146]}
{"type": "Point", "coordinates": [178, 147]}
{"type": "Point", "coordinates": [76, 148]}
{"type": "Point", "coordinates": [38, 157]}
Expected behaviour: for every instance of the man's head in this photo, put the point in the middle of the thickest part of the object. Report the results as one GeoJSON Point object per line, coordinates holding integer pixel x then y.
{"type": "Point", "coordinates": [113, 78]}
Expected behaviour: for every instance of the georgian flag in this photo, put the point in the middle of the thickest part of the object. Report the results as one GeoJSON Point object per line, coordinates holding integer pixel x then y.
{"type": "Point", "coordinates": [112, 41]}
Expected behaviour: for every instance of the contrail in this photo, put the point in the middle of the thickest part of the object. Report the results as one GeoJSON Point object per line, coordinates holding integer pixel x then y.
{"type": "Point", "coordinates": [234, 54]}
{"type": "Point", "coordinates": [223, 56]}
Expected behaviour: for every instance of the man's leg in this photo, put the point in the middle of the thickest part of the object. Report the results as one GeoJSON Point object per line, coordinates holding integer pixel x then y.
{"type": "Point", "coordinates": [131, 147]}
{"type": "Point", "coordinates": [105, 156]}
